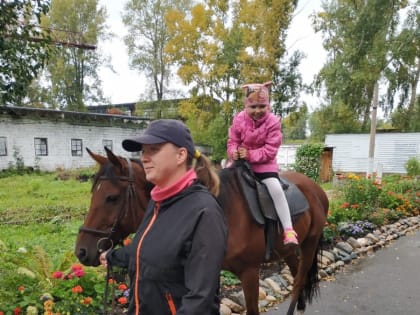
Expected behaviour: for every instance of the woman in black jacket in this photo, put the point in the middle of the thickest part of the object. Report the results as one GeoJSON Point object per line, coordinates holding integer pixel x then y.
{"type": "Point", "coordinates": [175, 258]}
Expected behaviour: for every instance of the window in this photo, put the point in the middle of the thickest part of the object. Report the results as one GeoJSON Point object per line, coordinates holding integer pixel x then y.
{"type": "Point", "coordinates": [107, 143]}
{"type": "Point", "coordinates": [41, 147]}
{"type": "Point", "coordinates": [3, 146]}
{"type": "Point", "coordinates": [76, 147]}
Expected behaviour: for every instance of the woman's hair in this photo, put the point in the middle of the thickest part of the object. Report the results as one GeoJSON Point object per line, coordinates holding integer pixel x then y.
{"type": "Point", "coordinates": [206, 173]}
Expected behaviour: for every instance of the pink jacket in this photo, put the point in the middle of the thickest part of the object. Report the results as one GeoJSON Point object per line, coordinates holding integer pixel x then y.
{"type": "Point", "coordinates": [261, 138]}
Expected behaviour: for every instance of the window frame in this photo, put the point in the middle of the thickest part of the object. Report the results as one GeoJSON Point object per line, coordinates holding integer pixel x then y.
{"type": "Point", "coordinates": [76, 147]}
{"type": "Point", "coordinates": [41, 148]}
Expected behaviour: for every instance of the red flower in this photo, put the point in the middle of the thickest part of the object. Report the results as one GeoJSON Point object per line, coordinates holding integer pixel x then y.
{"type": "Point", "coordinates": [77, 289]}
{"type": "Point", "coordinates": [17, 311]}
{"type": "Point", "coordinates": [123, 300]}
{"type": "Point", "coordinates": [111, 281]}
{"type": "Point", "coordinates": [122, 287]}
{"type": "Point", "coordinates": [76, 267]}
{"type": "Point", "coordinates": [57, 274]}
{"type": "Point", "coordinates": [21, 288]}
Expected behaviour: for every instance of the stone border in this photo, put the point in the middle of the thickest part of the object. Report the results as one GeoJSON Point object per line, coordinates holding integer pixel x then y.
{"type": "Point", "coordinates": [276, 288]}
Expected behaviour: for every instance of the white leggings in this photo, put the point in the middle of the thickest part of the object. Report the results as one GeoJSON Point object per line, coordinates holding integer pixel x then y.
{"type": "Point", "coordinates": [280, 202]}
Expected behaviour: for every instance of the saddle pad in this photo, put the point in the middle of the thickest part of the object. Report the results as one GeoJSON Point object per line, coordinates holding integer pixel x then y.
{"type": "Point", "coordinates": [295, 198]}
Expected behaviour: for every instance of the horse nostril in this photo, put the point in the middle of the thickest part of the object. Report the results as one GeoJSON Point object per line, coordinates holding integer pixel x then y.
{"type": "Point", "coordinates": [82, 254]}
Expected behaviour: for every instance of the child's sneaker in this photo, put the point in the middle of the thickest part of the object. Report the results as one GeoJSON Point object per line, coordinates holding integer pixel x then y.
{"type": "Point", "coordinates": [290, 237]}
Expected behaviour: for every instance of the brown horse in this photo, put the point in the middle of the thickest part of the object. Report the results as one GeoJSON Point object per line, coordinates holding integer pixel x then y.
{"type": "Point", "coordinates": [120, 194]}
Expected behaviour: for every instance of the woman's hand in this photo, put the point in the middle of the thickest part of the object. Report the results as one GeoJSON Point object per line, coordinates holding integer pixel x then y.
{"type": "Point", "coordinates": [102, 259]}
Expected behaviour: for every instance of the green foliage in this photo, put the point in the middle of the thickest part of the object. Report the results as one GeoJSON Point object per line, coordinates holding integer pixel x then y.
{"type": "Point", "coordinates": [361, 200]}
{"type": "Point", "coordinates": [228, 278]}
{"type": "Point", "coordinates": [412, 166]}
{"type": "Point", "coordinates": [24, 47]}
{"type": "Point", "coordinates": [308, 160]}
{"type": "Point", "coordinates": [42, 197]}
{"type": "Point", "coordinates": [72, 72]}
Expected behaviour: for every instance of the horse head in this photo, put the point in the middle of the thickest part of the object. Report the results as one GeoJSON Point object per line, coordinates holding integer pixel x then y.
{"type": "Point", "coordinates": [120, 194]}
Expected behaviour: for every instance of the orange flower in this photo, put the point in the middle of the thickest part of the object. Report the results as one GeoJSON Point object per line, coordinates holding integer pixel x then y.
{"type": "Point", "coordinates": [48, 304]}
{"type": "Point", "coordinates": [21, 288]}
{"type": "Point", "coordinates": [87, 300]}
{"type": "Point", "coordinates": [127, 241]}
{"type": "Point", "coordinates": [77, 289]}
{"type": "Point", "coordinates": [122, 287]}
{"type": "Point", "coordinates": [123, 300]}
{"type": "Point", "coordinates": [111, 281]}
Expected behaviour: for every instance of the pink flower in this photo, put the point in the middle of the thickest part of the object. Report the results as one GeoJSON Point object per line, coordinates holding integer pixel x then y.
{"type": "Point", "coordinates": [79, 273]}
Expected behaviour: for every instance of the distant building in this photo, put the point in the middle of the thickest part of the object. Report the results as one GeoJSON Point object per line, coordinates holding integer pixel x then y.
{"type": "Point", "coordinates": [392, 150]}
{"type": "Point", "coordinates": [51, 139]}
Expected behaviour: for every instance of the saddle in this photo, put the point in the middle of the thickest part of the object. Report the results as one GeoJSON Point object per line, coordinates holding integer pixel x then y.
{"type": "Point", "coordinates": [261, 205]}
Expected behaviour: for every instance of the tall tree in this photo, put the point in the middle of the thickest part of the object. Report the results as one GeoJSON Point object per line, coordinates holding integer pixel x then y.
{"type": "Point", "coordinates": [73, 71]}
{"type": "Point", "coordinates": [220, 45]}
{"type": "Point", "coordinates": [24, 47]}
{"type": "Point", "coordinates": [358, 35]}
{"type": "Point", "coordinates": [147, 37]}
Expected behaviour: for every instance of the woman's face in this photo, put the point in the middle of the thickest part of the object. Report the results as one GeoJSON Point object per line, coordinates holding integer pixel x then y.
{"type": "Point", "coordinates": [163, 163]}
{"type": "Point", "coordinates": [257, 111]}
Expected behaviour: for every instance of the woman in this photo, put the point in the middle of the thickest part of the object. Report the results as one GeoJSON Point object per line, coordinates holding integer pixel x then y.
{"type": "Point", "coordinates": [175, 258]}
{"type": "Point", "coordinates": [255, 136]}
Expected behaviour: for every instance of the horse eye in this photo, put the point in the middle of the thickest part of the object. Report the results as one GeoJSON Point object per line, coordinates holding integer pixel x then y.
{"type": "Point", "coordinates": [112, 198]}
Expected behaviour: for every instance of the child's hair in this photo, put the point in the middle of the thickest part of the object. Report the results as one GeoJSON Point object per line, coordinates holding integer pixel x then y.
{"type": "Point", "coordinates": [206, 173]}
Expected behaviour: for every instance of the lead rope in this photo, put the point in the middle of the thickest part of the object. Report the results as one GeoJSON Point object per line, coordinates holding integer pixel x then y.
{"type": "Point", "coordinates": [109, 276]}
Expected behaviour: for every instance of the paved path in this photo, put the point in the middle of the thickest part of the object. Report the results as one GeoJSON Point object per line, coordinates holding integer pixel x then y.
{"type": "Point", "coordinates": [385, 283]}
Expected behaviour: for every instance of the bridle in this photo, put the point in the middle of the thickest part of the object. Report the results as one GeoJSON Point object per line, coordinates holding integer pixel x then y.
{"type": "Point", "coordinates": [130, 196]}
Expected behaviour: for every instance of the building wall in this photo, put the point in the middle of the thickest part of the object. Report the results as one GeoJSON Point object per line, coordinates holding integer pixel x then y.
{"type": "Point", "coordinates": [20, 135]}
{"type": "Point", "coordinates": [392, 150]}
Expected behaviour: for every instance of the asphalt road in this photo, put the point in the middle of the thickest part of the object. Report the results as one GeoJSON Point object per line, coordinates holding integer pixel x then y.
{"type": "Point", "coordinates": [388, 282]}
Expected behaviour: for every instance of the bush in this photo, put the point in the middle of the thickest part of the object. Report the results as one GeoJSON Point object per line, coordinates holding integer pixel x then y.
{"type": "Point", "coordinates": [308, 160]}
{"type": "Point", "coordinates": [412, 166]}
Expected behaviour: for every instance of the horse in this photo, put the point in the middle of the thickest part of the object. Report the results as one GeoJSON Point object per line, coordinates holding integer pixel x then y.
{"type": "Point", "coordinates": [120, 194]}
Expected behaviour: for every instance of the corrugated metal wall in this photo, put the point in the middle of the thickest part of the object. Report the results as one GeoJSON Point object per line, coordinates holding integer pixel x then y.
{"type": "Point", "coordinates": [392, 150]}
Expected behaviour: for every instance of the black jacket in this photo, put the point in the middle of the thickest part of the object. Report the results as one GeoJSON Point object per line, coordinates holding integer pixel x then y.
{"type": "Point", "coordinates": [181, 252]}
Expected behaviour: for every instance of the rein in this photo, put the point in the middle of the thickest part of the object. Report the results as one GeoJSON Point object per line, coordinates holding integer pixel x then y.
{"type": "Point", "coordinates": [130, 194]}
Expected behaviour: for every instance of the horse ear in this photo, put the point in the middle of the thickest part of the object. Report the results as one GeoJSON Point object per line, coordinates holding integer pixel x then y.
{"type": "Point", "coordinates": [112, 157]}
{"type": "Point", "coordinates": [98, 158]}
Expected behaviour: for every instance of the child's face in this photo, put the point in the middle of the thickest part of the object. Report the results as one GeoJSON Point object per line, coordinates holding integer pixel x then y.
{"type": "Point", "coordinates": [256, 111]}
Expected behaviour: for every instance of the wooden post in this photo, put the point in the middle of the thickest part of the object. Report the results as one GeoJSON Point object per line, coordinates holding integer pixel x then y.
{"type": "Point", "coordinates": [371, 159]}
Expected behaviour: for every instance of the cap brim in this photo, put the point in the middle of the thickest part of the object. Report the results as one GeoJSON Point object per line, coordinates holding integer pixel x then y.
{"type": "Point", "coordinates": [134, 145]}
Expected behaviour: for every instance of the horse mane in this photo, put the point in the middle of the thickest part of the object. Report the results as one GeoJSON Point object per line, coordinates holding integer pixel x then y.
{"type": "Point", "coordinates": [107, 172]}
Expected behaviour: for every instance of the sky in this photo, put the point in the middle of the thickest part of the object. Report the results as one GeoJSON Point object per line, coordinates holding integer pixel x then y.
{"type": "Point", "coordinates": [124, 85]}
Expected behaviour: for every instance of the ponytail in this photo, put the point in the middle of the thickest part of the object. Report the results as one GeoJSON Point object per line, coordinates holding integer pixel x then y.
{"type": "Point", "coordinates": [206, 173]}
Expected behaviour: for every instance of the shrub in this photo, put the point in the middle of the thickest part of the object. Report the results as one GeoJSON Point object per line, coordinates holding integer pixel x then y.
{"type": "Point", "coordinates": [412, 166]}
{"type": "Point", "coordinates": [308, 160]}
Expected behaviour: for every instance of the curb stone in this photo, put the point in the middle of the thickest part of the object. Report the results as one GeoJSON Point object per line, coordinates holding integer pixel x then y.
{"type": "Point", "coordinates": [277, 287]}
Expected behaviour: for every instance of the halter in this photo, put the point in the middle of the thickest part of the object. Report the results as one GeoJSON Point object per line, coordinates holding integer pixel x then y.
{"type": "Point", "coordinates": [130, 194]}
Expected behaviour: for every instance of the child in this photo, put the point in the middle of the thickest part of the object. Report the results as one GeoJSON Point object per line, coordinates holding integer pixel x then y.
{"type": "Point", "coordinates": [255, 136]}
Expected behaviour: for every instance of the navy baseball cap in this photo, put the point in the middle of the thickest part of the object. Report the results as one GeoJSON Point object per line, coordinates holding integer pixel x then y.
{"type": "Point", "coordinates": [161, 131]}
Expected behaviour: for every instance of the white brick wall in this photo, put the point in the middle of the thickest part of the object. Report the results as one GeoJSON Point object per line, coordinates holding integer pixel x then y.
{"type": "Point", "coordinates": [20, 135]}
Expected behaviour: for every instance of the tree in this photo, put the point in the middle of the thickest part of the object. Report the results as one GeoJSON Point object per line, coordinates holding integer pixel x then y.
{"type": "Point", "coordinates": [24, 47]}
{"type": "Point", "coordinates": [358, 36]}
{"type": "Point", "coordinates": [294, 125]}
{"type": "Point", "coordinates": [73, 71]}
{"type": "Point", "coordinates": [220, 45]}
{"type": "Point", "coordinates": [147, 38]}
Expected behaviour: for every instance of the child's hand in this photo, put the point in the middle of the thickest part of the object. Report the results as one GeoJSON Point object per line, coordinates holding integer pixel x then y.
{"type": "Point", "coordinates": [243, 153]}
{"type": "Point", "coordinates": [235, 155]}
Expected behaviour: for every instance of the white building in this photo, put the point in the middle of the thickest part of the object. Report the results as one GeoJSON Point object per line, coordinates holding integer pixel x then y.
{"type": "Point", "coordinates": [392, 150]}
{"type": "Point", "coordinates": [50, 139]}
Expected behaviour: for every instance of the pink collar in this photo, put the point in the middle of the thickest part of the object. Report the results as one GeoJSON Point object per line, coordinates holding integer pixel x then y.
{"type": "Point", "coordinates": [159, 194]}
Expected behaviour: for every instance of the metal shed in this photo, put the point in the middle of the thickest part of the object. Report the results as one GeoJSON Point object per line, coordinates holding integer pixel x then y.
{"type": "Point", "coordinates": [392, 150]}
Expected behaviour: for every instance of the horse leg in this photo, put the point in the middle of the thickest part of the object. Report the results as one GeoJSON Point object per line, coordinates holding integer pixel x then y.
{"type": "Point", "coordinates": [293, 263]}
{"type": "Point", "coordinates": [250, 284]}
{"type": "Point", "coordinates": [303, 281]}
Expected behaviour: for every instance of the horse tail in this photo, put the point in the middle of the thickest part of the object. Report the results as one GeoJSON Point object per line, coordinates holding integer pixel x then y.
{"type": "Point", "coordinates": [311, 289]}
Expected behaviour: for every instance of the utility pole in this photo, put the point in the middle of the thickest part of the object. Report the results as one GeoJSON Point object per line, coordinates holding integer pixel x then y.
{"type": "Point", "coordinates": [371, 159]}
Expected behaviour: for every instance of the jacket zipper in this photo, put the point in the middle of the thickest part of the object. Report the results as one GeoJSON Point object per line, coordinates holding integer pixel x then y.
{"type": "Point", "coordinates": [137, 277]}
{"type": "Point", "coordinates": [171, 303]}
